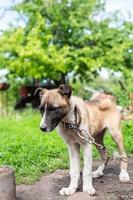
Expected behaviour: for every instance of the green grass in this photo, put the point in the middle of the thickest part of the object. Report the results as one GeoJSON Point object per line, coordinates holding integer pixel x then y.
{"type": "Point", "coordinates": [31, 152]}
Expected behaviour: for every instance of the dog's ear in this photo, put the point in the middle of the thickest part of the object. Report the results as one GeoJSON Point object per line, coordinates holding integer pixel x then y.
{"type": "Point", "coordinates": [65, 90]}
{"type": "Point", "coordinates": [39, 91]}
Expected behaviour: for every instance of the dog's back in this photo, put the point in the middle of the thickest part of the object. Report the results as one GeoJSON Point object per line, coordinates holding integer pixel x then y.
{"type": "Point", "coordinates": [104, 100]}
{"type": "Point", "coordinates": [102, 109]}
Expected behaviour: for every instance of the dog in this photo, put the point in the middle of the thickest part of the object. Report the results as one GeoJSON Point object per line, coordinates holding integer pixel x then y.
{"type": "Point", "coordinates": [60, 108]}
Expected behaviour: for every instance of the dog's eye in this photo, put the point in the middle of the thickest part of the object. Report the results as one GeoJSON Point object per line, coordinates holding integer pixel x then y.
{"type": "Point", "coordinates": [52, 108]}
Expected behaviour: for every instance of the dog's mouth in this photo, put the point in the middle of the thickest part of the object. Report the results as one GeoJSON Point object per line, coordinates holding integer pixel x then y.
{"type": "Point", "coordinates": [47, 130]}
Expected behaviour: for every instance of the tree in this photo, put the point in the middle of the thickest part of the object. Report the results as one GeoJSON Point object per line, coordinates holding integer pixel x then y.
{"type": "Point", "coordinates": [62, 36]}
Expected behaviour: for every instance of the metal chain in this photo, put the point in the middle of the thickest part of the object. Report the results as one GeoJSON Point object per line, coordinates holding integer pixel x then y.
{"type": "Point", "coordinates": [90, 141]}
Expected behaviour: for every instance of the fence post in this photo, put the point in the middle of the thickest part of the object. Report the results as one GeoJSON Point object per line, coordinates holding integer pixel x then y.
{"type": "Point", "coordinates": [7, 184]}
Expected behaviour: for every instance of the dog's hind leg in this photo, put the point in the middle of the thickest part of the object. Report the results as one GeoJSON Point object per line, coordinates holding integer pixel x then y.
{"type": "Point", "coordinates": [118, 138]}
{"type": "Point", "coordinates": [74, 170]}
{"type": "Point", "coordinates": [99, 171]}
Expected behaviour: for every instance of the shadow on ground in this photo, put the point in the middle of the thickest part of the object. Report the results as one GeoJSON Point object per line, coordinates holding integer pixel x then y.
{"type": "Point", "coordinates": [108, 187]}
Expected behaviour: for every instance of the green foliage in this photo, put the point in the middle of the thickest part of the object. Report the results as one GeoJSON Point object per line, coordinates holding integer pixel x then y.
{"type": "Point", "coordinates": [24, 147]}
{"type": "Point", "coordinates": [64, 36]}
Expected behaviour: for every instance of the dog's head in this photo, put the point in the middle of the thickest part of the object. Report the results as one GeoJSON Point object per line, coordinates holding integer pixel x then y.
{"type": "Point", "coordinates": [54, 106]}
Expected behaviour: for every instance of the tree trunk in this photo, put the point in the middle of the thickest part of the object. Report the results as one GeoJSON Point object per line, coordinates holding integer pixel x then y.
{"type": "Point", "coordinates": [7, 184]}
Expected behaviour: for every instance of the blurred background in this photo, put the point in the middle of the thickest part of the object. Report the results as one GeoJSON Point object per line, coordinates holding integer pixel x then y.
{"type": "Point", "coordinates": [86, 43]}
{"type": "Point", "coordinates": [43, 43]}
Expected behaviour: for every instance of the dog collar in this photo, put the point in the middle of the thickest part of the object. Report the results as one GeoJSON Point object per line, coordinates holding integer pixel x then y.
{"type": "Point", "coordinates": [77, 116]}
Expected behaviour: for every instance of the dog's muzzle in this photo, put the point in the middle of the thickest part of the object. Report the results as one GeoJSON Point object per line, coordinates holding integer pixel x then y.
{"type": "Point", "coordinates": [44, 128]}
{"type": "Point", "coordinates": [47, 128]}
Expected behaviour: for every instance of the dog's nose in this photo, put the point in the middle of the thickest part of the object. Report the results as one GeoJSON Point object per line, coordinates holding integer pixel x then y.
{"type": "Point", "coordinates": [43, 128]}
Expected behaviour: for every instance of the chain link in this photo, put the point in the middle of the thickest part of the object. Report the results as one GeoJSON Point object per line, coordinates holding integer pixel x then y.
{"type": "Point", "coordinates": [91, 139]}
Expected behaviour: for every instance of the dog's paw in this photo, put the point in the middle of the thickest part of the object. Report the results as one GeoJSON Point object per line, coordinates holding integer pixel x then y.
{"type": "Point", "coordinates": [67, 191]}
{"type": "Point", "coordinates": [97, 174]}
{"type": "Point", "coordinates": [123, 176]}
{"type": "Point", "coordinates": [91, 190]}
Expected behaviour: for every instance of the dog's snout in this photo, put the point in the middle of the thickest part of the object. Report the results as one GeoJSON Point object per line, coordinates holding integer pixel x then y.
{"type": "Point", "coordinates": [43, 128]}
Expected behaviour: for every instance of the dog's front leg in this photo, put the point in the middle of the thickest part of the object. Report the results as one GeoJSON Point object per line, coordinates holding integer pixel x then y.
{"type": "Point", "coordinates": [87, 171]}
{"type": "Point", "coordinates": [74, 170]}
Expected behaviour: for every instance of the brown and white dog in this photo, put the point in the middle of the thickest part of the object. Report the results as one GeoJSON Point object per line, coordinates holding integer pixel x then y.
{"type": "Point", "coordinates": [58, 106]}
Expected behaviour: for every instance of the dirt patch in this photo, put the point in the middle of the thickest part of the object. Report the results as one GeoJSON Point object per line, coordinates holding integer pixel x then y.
{"type": "Point", "coordinates": [108, 187]}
